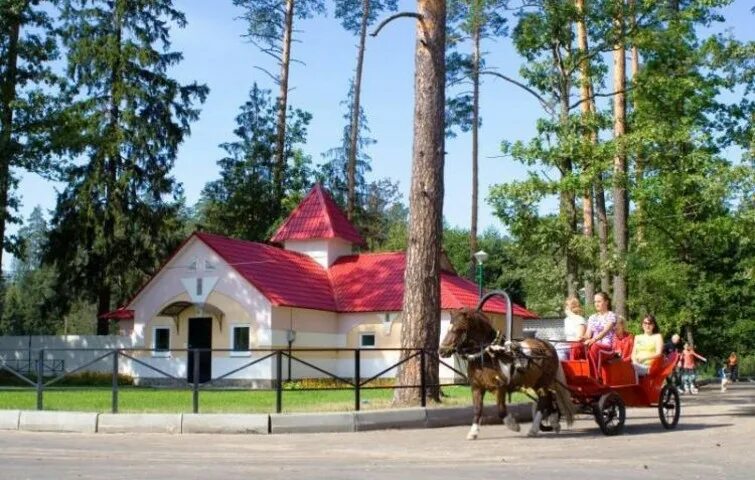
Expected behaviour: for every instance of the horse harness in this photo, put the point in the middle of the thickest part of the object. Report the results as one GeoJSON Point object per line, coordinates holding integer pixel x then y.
{"type": "Point", "coordinates": [517, 358]}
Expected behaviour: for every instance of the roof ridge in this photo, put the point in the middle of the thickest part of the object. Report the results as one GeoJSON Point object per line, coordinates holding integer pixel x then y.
{"type": "Point", "coordinates": [324, 205]}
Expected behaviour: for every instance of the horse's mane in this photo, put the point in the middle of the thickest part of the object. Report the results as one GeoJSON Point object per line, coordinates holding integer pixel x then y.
{"type": "Point", "coordinates": [472, 319]}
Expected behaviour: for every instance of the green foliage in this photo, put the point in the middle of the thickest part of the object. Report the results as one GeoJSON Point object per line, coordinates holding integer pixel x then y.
{"type": "Point", "coordinates": [332, 174]}
{"type": "Point", "coordinates": [119, 214]}
{"type": "Point", "coordinates": [241, 202]}
{"type": "Point", "coordinates": [351, 13]}
{"type": "Point", "coordinates": [31, 300]}
{"type": "Point", "coordinates": [32, 125]}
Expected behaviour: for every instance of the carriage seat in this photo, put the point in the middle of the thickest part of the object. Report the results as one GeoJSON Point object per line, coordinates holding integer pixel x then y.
{"type": "Point", "coordinates": [618, 372]}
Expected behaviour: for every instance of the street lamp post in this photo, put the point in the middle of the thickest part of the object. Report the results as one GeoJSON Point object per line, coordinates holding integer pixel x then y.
{"type": "Point", "coordinates": [481, 257]}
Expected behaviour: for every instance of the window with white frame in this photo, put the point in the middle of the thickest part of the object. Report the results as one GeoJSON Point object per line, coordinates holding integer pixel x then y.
{"type": "Point", "coordinates": [367, 340]}
{"type": "Point", "coordinates": [240, 339]}
{"type": "Point", "coordinates": [209, 265]}
{"type": "Point", "coordinates": [161, 342]}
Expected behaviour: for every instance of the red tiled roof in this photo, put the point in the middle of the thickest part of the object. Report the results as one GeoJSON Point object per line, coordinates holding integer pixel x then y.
{"type": "Point", "coordinates": [372, 282]}
{"type": "Point", "coordinates": [286, 278]}
{"type": "Point", "coordinates": [317, 216]}
{"type": "Point", "coordinates": [375, 282]}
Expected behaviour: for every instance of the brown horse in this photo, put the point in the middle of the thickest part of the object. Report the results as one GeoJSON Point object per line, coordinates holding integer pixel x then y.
{"type": "Point", "coordinates": [495, 365]}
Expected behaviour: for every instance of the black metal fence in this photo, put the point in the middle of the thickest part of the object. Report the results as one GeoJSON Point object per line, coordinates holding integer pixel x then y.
{"type": "Point", "coordinates": [39, 380]}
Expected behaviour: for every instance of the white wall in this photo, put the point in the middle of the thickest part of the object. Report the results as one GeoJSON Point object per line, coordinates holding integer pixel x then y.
{"type": "Point", "coordinates": [322, 251]}
{"type": "Point", "coordinates": [22, 348]}
{"type": "Point", "coordinates": [170, 282]}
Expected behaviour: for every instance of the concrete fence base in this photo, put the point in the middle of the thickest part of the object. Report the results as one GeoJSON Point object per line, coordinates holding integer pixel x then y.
{"type": "Point", "coordinates": [79, 422]}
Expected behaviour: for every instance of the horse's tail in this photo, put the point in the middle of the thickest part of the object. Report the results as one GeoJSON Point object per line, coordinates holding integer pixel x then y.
{"type": "Point", "coordinates": [563, 397]}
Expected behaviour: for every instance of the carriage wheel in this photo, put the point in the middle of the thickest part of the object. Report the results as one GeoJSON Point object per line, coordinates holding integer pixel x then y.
{"type": "Point", "coordinates": [610, 413]}
{"type": "Point", "coordinates": [669, 407]}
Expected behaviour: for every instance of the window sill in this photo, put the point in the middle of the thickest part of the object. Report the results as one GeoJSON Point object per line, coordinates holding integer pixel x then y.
{"type": "Point", "coordinates": [240, 354]}
{"type": "Point", "coordinates": [161, 355]}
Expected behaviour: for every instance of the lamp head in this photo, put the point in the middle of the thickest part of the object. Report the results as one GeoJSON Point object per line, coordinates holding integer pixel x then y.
{"type": "Point", "coordinates": [481, 257]}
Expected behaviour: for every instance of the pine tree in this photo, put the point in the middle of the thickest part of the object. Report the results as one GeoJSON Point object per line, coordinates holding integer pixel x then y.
{"type": "Point", "coordinates": [336, 173]}
{"type": "Point", "coordinates": [270, 26]}
{"type": "Point", "coordinates": [476, 20]}
{"type": "Point", "coordinates": [31, 298]}
{"type": "Point", "coordinates": [421, 307]}
{"type": "Point", "coordinates": [356, 16]}
{"type": "Point", "coordinates": [241, 203]}
{"type": "Point", "coordinates": [118, 215]}
{"type": "Point", "coordinates": [30, 121]}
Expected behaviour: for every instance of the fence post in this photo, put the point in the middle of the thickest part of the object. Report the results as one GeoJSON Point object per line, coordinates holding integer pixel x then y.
{"type": "Point", "coordinates": [357, 379]}
{"type": "Point", "coordinates": [195, 387]}
{"type": "Point", "coordinates": [115, 380]}
{"type": "Point", "coordinates": [278, 381]}
{"type": "Point", "coordinates": [422, 378]}
{"type": "Point", "coordinates": [40, 377]}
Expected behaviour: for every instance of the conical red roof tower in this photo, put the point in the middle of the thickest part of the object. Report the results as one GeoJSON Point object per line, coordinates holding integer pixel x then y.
{"type": "Point", "coordinates": [317, 217]}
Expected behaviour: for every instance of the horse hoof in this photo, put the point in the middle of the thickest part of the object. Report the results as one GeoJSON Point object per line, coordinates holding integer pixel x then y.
{"type": "Point", "coordinates": [532, 433]}
{"type": "Point", "coordinates": [471, 436]}
{"type": "Point", "coordinates": [511, 423]}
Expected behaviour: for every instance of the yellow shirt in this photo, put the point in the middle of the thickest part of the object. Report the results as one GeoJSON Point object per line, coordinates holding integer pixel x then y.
{"type": "Point", "coordinates": [645, 345]}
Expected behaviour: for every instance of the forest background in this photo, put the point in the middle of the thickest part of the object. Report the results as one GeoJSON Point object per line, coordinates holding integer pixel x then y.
{"type": "Point", "coordinates": [113, 147]}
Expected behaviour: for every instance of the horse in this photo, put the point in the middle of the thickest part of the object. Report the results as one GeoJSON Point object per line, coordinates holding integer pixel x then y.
{"type": "Point", "coordinates": [500, 366]}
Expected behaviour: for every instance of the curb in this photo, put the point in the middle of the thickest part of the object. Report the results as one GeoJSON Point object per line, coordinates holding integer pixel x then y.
{"type": "Point", "coordinates": [259, 424]}
{"type": "Point", "coordinates": [225, 423]}
{"type": "Point", "coordinates": [139, 423]}
{"type": "Point", "coordinates": [46, 421]}
{"type": "Point", "coordinates": [9, 419]}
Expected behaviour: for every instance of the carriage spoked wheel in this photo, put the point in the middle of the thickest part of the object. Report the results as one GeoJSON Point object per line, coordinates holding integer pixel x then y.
{"type": "Point", "coordinates": [610, 413]}
{"type": "Point", "coordinates": [669, 407]}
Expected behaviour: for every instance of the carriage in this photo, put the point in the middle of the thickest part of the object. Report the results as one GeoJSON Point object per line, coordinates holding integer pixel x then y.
{"type": "Point", "coordinates": [617, 387]}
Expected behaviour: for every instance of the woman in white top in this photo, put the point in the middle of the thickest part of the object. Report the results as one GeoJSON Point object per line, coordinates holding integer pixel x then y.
{"type": "Point", "coordinates": [574, 329]}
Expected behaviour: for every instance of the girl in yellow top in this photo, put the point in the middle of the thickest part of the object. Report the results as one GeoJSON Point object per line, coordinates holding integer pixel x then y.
{"type": "Point", "coordinates": [647, 346]}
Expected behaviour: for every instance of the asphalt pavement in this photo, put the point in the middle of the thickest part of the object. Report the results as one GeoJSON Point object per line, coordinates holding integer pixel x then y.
{"type": "Point", "coordinates": [713, 440]}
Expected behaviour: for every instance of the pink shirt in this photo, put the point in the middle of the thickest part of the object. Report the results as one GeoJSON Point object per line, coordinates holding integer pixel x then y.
{"type": "Point", "coordinates": [597, 322]}
{"type": "Point", "coordinates": [688, 358]}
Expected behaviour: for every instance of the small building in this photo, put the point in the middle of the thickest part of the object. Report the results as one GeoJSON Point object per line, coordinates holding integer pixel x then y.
{"type": "Point", "coordinates": [312, 291]}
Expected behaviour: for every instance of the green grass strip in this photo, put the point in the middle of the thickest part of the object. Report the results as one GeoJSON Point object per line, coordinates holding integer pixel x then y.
{"type": "Point", "coordinates": [166, 400]}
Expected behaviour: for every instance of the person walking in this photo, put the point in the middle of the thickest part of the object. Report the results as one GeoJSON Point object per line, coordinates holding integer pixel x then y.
{"type": "Point", "coordinates": [689, 367]}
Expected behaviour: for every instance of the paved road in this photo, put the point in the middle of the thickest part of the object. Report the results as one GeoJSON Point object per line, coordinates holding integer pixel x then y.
{"type": "Point", "coordinates": [713, 441]}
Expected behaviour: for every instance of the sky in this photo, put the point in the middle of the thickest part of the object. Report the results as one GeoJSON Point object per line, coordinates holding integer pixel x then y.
{"type": "Point", "coordinates": [216, 54]}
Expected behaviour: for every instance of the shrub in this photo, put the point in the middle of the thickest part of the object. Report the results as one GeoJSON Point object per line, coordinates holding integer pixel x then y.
{"type": "Point", "coordinates": [81, 379]}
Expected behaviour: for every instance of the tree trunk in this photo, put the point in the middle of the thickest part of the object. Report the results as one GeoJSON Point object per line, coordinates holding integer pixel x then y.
{"type": "Point", "coordinates": [567, 207]}
{"type": "Point", "coordinates": [421, 307]}
{"type": "Point", "coordinates": [354, 133]}
{"type": "Point", "coordinates": [587, 107]}
{"type": "Point", "coordinates": [620, 197]}
{"type": "Point", "coordinates": [112, 160]}
{"type": "Point", "coordinates": [7, 97]}
{"type": "Point", "coordinates": [475, 145]}
{"type": "Point", "coordinates": [639, 162]}
{"type": "Point", "coordinates": [279, 170]}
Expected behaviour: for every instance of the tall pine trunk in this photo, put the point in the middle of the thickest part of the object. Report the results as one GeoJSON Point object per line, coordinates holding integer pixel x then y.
{"type": "Point", "coordinates": [112, 159]}
{"type": "Point", "coordinates": [354, 133]}
{"type": "Point", "coordinates": [475, 144]}
{"type": "Point", "coordinates": [587, 108]}
{"type": "Point", "coordinates": [421, 307]}
{"type": "Point", "coordinates": [567, 206]}
{"type": "Point", "coordinates": [279, 169]}
{"type": "Point", "coordinates": [639, 161]}
{"type": "Point", "coordinates": [7, 97]}
{"type": "Point", "coordinates": [620, 196]}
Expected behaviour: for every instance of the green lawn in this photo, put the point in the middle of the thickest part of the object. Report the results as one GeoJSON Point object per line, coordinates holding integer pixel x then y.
{"type": "Point", "coordinates": [164, 400]}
